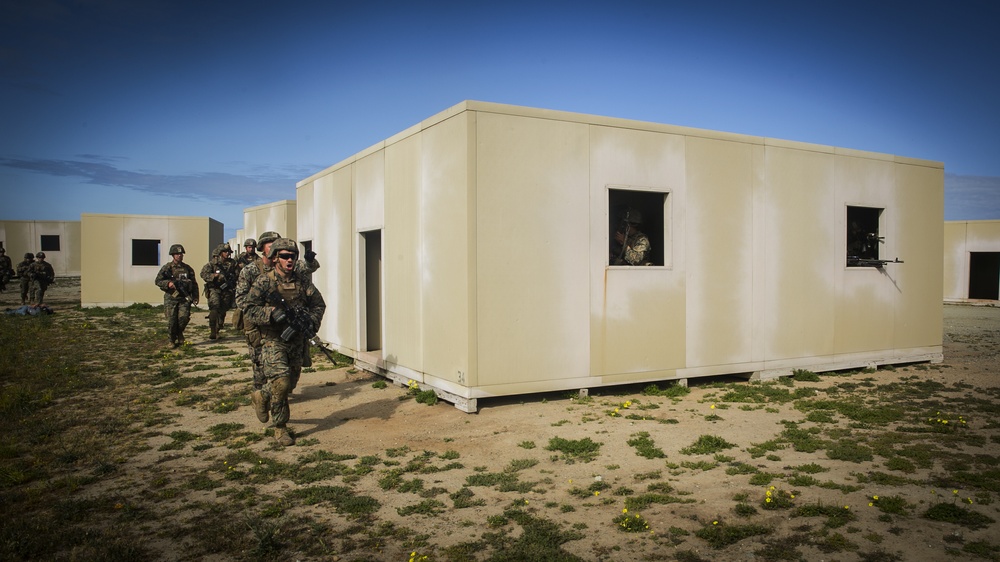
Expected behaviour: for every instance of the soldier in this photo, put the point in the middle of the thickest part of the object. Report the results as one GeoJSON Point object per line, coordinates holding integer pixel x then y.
{"type": "Point", "coordinates": [246, 278]}
{"type": "Point", "coordinates": [219, 275]}
{"type": "Point", "coordinates": [249, 254]}
{"type": "Point", "coordinates": [287, 309]}
{"type": "Point", "coordinates": [6, 271]}
{"type": "Point", "coordinates": [41, 276]}
{"type": "Point", "coordinates": [180, 290]}
{"type": "Point", "coordinates": [248, 274]}
{"type": "Point", "coordinates": [630, 245]}
{"type": "Point", "coordinates": [22, 274]}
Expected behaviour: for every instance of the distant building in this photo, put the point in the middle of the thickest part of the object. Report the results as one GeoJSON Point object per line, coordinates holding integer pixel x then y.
{"type": "Point", "coordinates": [121, 254]}
{"type": "Point", "coordinates": [972, 260]}
{"type": "Point", "coordinates": [278, 216]}
{"type": "Point", "coordinates": [470, 253]}
{"type": "Point", "coordinates": [59, 240]}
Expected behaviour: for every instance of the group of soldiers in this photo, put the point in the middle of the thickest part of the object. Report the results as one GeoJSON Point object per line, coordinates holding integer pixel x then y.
{"type": "Point", "coordinates": [35, 274]}
{"type": "Point", "coordinates": [276, 306]}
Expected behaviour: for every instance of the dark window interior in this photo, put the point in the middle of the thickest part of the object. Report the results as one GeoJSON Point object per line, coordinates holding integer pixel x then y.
{"type": "Point", "coordinates": [984, 275]}
{"type": "Point", "coordinates": [650, 205]}
{"type": "Point", "coordinates": [145, 252]}
{"type": "Point", "coordinates": [50, 242]}
{"type": "Point", "coordinates": [863, 237]}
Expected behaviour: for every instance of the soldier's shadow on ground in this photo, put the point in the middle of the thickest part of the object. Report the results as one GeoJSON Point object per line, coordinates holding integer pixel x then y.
{"type": "Point", "coordinates": [382, 409]}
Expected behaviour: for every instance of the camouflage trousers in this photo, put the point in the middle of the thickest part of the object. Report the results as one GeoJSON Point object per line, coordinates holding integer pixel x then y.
{"type": "Point", "coordinates": [37, 292]}
{"type": "Point", "coordinates": [219, 302]}
{"type": "Point", "coordinates": [253, 352]}
{"type": "Point", "coordinates": [25, 289]}
{"type": "Point", "coordinates": [282, 364]}
{"type": "Point", "coordinates": [178, 314]}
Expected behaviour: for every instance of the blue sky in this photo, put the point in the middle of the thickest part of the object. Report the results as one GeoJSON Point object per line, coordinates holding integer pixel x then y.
{"type": "Point", "coordinates": [176, 107]}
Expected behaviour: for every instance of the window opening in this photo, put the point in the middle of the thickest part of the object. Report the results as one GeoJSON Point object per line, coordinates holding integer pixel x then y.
{"type": "Point", "coordinates": [145, 252]}
{"type": "Point", "coordinates": [636, 230]}
{"type": "Point", "coordinates": [864, 237]}
{"type": "Point", "coordinates": [50, 243]}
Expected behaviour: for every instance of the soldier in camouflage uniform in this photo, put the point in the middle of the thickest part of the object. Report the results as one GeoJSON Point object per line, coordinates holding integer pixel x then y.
{"type": "Point", "coordinates": [286, 308]}
{"type": "Point", "coordinates": [41, 276]}
{"type": "Point", "coordinates": [249, 254]}
{"type": "Point", "coordinates": [630, 246]}
{"type": "Point", "coordinates": [180, 290]}
{"type": "Point", "coordinates": [6, 270]}
{"type": "Point", "coordinates": [219, 275]}
{"type": "Point", "coordinates": [22, 274]}
{"type": "Point", "coordinates": [248, 274]}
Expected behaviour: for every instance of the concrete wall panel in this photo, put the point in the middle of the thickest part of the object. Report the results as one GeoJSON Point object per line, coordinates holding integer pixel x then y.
{"type": "Point", "coordinates": [533, 221]}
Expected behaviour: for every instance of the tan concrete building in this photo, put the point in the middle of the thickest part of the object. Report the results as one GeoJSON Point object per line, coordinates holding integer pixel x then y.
{"type": "Point", "coordinates": [972, 261]}
{"type": "Point", "coordinates": [471, 253]}
{"type": "Point", "coordinates": [278, 216]}
{"type": "Point", "coordinates": [123, 253]}
{"type": "Point", "coordinates": [59, 240]}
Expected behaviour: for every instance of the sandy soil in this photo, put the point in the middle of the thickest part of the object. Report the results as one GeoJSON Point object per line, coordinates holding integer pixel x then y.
{"type": "Point", "coordinates": [340, 411]}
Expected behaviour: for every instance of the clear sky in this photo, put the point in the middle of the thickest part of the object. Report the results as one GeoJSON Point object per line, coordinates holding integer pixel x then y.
{"type": "Point", "coordinates": [177, 107]}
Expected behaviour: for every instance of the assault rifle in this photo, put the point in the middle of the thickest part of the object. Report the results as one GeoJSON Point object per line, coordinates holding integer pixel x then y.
{"type": "Point", "coordinates": [179, 290]}
{"type": "Point", "coordinates": [296, 317]}
{"type": "Point", "coordinates": [855, 261]}
{"type": "Point", "coordinates": [316, 342]}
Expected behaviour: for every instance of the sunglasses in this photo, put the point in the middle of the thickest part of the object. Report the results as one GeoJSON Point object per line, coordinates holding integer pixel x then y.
{"type": "Point", "coordinates": [287, 256]}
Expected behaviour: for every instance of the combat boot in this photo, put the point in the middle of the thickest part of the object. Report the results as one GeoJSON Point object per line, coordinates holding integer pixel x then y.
{"type": "Point", "coordinates": [283, 437]}
{"type": "Point", "coordinates": [260, 405]}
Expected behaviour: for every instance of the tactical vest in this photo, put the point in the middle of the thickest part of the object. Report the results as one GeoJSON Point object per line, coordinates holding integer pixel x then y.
{"type": "Point", "coordinates": [290, 290]}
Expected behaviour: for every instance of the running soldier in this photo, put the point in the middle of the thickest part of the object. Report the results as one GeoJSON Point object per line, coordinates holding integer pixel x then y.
{"type": "Point", "coordinates": [249, 254]}
{"type": "Point", "coordinates": [287, 309]}
{"type": "Point", "coordinates": [247, 276]}
{"type": "Point", "coordinates": [219, 275]}
{"type": "Point", "coordinates": [180, 290]}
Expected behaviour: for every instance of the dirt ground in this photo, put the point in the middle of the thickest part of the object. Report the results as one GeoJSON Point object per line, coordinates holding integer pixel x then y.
{"type": "Point", "coordinates": [340, 411]}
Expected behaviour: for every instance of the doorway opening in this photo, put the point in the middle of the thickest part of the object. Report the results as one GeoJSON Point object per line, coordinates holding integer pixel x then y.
{"type": "Point", "coordinates": [371, 250]}
{"type": "Point", "coordinates": [984, 275]}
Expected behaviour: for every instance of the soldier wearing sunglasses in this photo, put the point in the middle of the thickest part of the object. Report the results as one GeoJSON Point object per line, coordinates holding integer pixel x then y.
{"type": "Point", "coordinates": [286, 308]}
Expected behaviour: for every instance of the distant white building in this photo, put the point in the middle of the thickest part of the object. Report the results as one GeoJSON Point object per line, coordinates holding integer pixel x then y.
{"type": "Point", "coordinates": [59, 240]}
{"type": "Point", "coordinates": [121, 254]}
{"type": "Point", "coordinates": [972, 260]}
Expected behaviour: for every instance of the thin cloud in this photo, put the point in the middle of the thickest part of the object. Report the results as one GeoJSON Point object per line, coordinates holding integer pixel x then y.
{"type": "Point", "coordinates": [971, 197]}
{"type": "Point", "coordinates": [263, 186]}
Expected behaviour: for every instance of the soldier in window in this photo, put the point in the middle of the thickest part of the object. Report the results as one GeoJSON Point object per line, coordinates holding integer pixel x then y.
{"type": "Point", "coordinates": [629, 245]}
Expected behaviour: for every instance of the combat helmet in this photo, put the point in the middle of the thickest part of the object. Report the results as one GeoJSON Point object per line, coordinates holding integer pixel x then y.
{"type": "Point", "coordinates": [177, 249]}
{"type": "Point", "coordinates": [632, 216]}
{"type": "Point", "coordinates": [269, 236]}
{"type": "Point", "coordinates": [224, 247]}
{"type": "Point", "coordinates": [40, 255]}
{"type": "Point", "coordinates": [29, 256]}
{"type": "Point", "coordinates": [286, 244]}
{"type": "Point", "coordinates": [250, 242]}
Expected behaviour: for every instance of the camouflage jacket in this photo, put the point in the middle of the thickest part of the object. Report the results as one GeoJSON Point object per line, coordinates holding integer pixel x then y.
{"type": "Point", "coordinates": [302, 300]}
{"type": "Point", "coordinates": [22, 268]}
{"type": "Point", "coordinates": [182, 275]}
{"type": "Point", "coordinates": [42, 272]}
{"type": "Point", "coordinates": [636, 251]}
{"type": "Point", "coordinates": [227, 274]}
{"type": "Point", "coordinates": [252, 270]}
{"type": "Point", "coordinates": [6, 271]}
{"type": "Point", "coordinates": [246, 259]}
